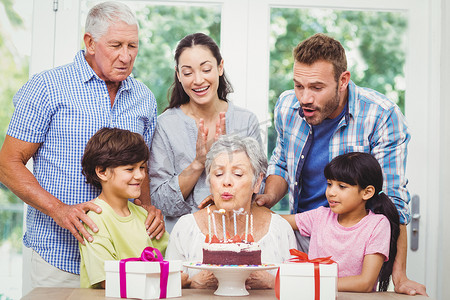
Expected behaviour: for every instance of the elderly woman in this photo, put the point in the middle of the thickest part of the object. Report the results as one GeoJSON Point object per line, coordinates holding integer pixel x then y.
{"type": "Point", "coordinates": [235, 168]}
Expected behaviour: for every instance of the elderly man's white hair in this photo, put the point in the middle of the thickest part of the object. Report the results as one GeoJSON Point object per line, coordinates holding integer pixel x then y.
{"type": "Point", "coordinates": [102, 15]}
{"type": "Point", "coordinates": [233, 143]}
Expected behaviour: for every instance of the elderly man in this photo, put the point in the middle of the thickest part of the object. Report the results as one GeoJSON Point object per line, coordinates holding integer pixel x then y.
{"type": "Point", "coordinates": [327, 115]}
{"type": "Point", "coordinates": [56, 112]}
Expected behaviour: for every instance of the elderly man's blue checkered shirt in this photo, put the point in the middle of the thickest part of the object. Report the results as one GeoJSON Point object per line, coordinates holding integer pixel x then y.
{"type": "Point", "coordinates": [61, 109]}
{"type": "Point", "coordinates": [372, 124]}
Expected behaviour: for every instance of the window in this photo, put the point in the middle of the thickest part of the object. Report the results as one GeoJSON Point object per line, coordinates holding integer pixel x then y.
{"type": "Point", "coordinates": [15, 47]}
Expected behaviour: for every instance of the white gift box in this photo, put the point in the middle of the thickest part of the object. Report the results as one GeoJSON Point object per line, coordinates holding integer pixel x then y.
{"type": "Point", "coordinates": [297, 281]}
{"type": "Point", "coordinates": [142, 279]}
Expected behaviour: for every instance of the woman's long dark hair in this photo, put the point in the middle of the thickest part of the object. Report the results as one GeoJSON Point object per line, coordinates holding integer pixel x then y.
{"type": "Point", "coordinates": [362, 169]}
{"type": "Point", "coordinates": [176, 94]}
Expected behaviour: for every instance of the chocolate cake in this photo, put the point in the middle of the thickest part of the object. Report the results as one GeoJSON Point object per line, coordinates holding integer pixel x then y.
{"type": "Point", "coordinates": [231, 254]}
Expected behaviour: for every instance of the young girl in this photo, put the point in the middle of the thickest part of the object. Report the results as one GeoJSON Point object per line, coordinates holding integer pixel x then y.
{"type": "Point", "coordinates": [115, 160]}
{"type": "Point", "coordinates": [359, 229]}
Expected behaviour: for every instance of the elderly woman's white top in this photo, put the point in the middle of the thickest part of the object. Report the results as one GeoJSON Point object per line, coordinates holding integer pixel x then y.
{"type": "Point", "coordinates": [186, 242]}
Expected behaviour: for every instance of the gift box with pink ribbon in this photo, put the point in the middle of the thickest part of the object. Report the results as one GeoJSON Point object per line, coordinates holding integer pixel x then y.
{"type": "Point", "coordinates": [145, 277]}
{"type": "Point", "coordinates": [308, 279]}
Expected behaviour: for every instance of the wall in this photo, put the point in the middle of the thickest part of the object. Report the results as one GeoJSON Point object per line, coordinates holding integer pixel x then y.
{"type": "Point", "coordinates": [444, 178]}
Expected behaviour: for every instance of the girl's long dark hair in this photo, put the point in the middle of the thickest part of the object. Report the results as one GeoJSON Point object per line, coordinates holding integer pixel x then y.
{"type": "Point", "coordinates": [362, 169]}
{"type": "Point", "coordinates": [176, 94]}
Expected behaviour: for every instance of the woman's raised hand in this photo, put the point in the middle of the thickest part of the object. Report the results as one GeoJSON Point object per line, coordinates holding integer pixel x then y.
{"type": "Point", "coordinates": [188, 177]}
{"type": "Point", "coordinates": [201, 146]}
{"type": "Point", "coordinates": [220, 126]}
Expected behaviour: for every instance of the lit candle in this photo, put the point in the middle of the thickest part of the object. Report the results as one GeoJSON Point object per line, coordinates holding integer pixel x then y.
{"type": "Point", "coordinates": [246, 227]}
{"type": "Point", "coordinates": [235, 228]}
{"type": "Point", "coordinates": [224, 229]}
{"type": "Point", "coordinates": [251, 224]}
{"type": "Point", "coordinates": [214, 223]}
{"type": "Point", "coordinates": [209, 224]}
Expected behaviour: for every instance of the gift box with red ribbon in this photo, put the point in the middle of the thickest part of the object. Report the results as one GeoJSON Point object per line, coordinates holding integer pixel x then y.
{"type": "Point", "coordinates": [145, 277]}
{"type": "Point", "coordinates": [308, 279]}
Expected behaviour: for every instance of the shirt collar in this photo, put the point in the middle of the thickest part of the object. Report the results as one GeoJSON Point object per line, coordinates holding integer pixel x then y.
{"type": "Point", "coordinates": [351, 99]}
{"type": "Point", "coordinates": [87, 73]}
{"type": "Point", "coordinates": [296, 105]}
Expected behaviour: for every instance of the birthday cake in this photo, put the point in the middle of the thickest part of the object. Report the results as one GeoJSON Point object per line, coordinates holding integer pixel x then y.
{"type": "Point", "coordinates": [238, 250]}
{"type": "Point", "coordinates": [240, 253]}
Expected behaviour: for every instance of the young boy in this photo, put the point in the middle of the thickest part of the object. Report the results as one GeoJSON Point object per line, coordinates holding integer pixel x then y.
{"type": "Point", "coordinates": [115, 161]}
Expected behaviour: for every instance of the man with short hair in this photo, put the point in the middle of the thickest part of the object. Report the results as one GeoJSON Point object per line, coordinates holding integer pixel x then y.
{"type": "Point", "coordinates": [56, 112]}
{"type": "Point", "coordinates": [327, 115]}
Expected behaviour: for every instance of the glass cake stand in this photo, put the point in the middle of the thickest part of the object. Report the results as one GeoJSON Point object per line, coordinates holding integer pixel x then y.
{"type": "Point", "coordinates": [231, 278]}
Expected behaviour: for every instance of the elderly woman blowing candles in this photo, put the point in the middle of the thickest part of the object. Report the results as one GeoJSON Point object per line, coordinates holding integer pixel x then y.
{"type": "Point", "coordinates": [235, 168]}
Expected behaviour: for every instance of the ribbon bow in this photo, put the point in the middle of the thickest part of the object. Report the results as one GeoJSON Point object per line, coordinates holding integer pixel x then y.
{"type": "Point", "coordinates": [301, 257]}
{"type": "Point", "coordinates": [147, 255]}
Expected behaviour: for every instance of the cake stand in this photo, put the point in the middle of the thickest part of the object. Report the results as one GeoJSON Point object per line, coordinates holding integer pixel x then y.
{"type": "Point", "coordinates": [231, 278]}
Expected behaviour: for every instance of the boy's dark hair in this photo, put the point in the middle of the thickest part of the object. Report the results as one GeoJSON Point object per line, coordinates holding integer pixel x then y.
{"type": "Point", "coordinates": [362, 169]}
{"type": "Point", "coordinates": [110, 148]}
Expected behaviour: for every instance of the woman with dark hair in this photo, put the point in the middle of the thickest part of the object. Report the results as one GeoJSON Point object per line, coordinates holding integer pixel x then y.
{"type": "Point", "coordinates": [198, 113]}
{"type": "Point", "coordinates": [178, 95]}
{"type": "Point", "coordinates": [359, 229]}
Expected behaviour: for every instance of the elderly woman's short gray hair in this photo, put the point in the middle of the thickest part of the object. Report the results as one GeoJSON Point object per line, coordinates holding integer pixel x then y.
{"type": "Point", "coordinates": [234, 143]}
{"type": "Point", "coordinates": [102, 15]}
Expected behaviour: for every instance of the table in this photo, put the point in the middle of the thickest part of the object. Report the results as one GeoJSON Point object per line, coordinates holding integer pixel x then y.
{"type": "Point", "coordinates": [192, 294]}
